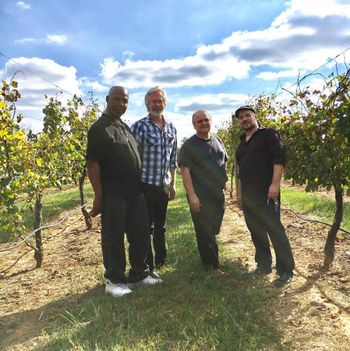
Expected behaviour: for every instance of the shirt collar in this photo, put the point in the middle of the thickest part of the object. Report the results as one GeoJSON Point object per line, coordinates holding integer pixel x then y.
{"type": "Point", "coordinates": [260, 128]}
{"type": "Point", "coordinates": [149, 119]}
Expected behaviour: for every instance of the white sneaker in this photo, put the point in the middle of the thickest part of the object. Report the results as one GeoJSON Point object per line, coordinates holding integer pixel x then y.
{"type": "Point", "coordinates": [117, 290]}
{"type": "Point", "coordinates": [147, 281]}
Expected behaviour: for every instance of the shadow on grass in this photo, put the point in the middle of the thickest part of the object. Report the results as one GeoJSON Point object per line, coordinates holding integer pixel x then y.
{"type": "Point", "coordinates": [193, 309]}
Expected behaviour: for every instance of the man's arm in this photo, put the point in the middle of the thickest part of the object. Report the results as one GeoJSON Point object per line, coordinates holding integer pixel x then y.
{"type": "Point", "coordinates": [173, 165]}
{"type": "Point", "coordinates": [278, 153]}
{"type": "Point", "coordinates": [239, 193]}
{"type": "Point", "coordinates": [192, 196]}
{"type": "Point", "coordinates": [94, 174]}
{"type": "Point", "coordinates": [274, 188]}
{"type": "Point", "coordinates": [172, 189]}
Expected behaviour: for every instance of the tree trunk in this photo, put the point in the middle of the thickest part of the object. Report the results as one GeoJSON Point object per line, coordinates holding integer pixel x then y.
{"type": "Point", "coordinates": [38, 254]}
{"type": "Point", "coordinates": [332, 234]}
{"type": "Point", "coordinates": [82, 200]}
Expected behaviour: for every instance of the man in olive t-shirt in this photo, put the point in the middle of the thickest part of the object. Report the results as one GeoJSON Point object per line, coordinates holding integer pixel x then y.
{"type": "Point", "coordinates": [113, 165]}
{"type": "Point", "coordinates": [202, 160]}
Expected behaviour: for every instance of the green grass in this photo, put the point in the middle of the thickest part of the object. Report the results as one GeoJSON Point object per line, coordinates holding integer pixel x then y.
{"type": "Point", "coordinates": [313, 206]}
{"type": "Point", "coordinates": [193, 309]}
{"type": "Point", "coordinates": [54, 204]}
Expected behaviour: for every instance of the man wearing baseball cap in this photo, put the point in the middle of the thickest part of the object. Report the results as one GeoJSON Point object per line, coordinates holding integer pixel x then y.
{"type": "Point", "coordinates": [261, 159]}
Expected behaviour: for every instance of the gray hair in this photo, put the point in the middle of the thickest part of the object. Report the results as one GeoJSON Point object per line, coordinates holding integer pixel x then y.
{"type": "Point", "coordinates": [153, 90]}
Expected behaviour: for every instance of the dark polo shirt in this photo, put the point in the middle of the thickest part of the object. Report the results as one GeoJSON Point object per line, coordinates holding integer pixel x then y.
{"type": "Point", "coordinates": [255, 159]}
{"type": "Point", "coordinates": [112, 145]}
{"type": "Point", "coordinates": [206, 160]}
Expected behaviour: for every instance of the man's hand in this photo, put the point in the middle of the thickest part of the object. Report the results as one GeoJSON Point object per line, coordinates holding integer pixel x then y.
{"type": "Point", "coordinates": [273, 192]}
{"type": "Point", "coordinates": [96, 206]}
{"type": "Point", "coordinates": [172, 192]}
{"type": "Point", "coordinates": [194, 202]}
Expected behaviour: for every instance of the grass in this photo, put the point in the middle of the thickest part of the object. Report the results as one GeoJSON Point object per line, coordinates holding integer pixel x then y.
{"type": "Point", "coordinates": [54, 204]}
{"type": "Point", "coordinates": [314, 206]}
{"type": "Point", "coordinates": [192, 310]}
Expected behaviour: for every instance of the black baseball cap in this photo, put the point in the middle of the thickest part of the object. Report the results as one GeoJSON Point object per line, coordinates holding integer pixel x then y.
{"type": "Point", "coordinates": [245, 107]}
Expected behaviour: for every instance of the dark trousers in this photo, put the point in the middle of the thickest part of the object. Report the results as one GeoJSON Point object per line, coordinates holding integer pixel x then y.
{"type": "Point", "coordinates": [157, 203]}
{"type": "Point", "coordinates": [124, 215]}
{"type": "Point", "coordinates": [263, 221]}
{"type": "Point", "coordinates": [207, 223]}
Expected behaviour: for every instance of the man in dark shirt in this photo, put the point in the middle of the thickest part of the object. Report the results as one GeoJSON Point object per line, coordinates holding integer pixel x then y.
{"type": "Point", "coordinates": [202, 160]}
{"type": "Point", "coordinates": [261, 158]}
{"type": "Point", "coordinates": [113, 165]}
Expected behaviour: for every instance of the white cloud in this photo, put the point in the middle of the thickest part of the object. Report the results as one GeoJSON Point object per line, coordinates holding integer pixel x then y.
{"type": "Point", "coordinates": [304, 36]}
{"type": "Point", "coordinates": [22, 5]}
{"type": "Point", "coordinates": [109, 68]}
{"type": "Point", "coordinates": [277, 75]}
{"type": "Point", "coordinates": [26, 40]}
{"type": "Point", "coordinates": [39, 77]}
{"type": "Point", "coordinates": [50, 39]}
{"type": "Point", "coordinates": [213, 103]}
{"type": "Point", "coordinates": [87, 83]}
{"type": "Point", "coordinates": [190, 71]}
{"type": "Point", "coordinates": [138, 99]}
{"type": "Point", "coordinates": [56, 38]}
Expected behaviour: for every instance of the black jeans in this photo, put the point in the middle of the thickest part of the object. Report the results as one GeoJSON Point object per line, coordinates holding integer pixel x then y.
{"type": "Point", "coordinates": [263, 221]}
{"type": "Point", "coordinates": [207, 223]}
{"type": "Point", "coordinates": [124, 215]}
{"type": "Point", "coordinates": [157, 203]}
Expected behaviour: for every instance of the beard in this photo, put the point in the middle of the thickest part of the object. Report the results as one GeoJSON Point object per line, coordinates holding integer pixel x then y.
{"type": "Point", "coordinates": [157, 111]}
{"type": "Point", "coordinates": [248, 127]}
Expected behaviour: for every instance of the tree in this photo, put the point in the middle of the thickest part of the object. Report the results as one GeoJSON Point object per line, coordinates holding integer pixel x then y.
{"type": "Point", "coordinates": [31, 163]}
{"type": "Point", "coordinates": [15, 154]}
{"type": "Point", "coordinates": [316, 129]}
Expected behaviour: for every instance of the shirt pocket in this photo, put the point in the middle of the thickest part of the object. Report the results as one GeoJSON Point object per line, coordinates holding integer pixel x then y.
{"type": "Point", "coordinates": [151, 139]}
{"type": "Point", "coordinates": [170, 139]}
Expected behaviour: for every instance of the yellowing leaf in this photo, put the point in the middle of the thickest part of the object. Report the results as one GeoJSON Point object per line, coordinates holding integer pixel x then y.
{"type": "Point", "coordinates": [39, 162]}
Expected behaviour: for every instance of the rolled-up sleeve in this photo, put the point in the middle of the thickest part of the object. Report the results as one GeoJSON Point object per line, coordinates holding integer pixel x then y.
{"type": "Point", "coordinates": [95, 145]}
{"type": "Point", "coordinates": [277, 148]}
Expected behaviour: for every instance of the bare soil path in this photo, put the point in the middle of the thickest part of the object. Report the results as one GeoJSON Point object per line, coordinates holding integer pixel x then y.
{"type": "Point", "coordinates": [313, 311]}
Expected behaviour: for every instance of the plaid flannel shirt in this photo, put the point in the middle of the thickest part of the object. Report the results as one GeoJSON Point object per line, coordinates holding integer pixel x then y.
{"type": "Point", "coordinates": [157, 149]}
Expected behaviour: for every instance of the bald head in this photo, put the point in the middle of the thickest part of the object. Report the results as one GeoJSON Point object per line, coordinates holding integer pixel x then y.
{"type": "Point", "coordinates": [117, 101]}
{"type": "Point", "coordinates": [117, 90]}
{"type": "Point", "coordinates": [201, 121]}
{"type": "Point", "coordinates": [200, 113]}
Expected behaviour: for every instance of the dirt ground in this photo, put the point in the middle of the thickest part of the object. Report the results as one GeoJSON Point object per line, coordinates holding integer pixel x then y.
{"type": "Point", "coordinates": [314, 310]}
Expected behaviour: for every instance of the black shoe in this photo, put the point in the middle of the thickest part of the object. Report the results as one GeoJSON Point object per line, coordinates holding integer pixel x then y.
{"type": "Point", "coordinates": [261, 271]}
{"type": "Point", "coordinates": [284, 279]}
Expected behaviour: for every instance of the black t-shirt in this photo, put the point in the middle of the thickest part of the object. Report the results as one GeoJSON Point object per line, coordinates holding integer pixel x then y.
{"type": "Point", "coordinates": [206, 161]}
{"type": "Point", "coordinates": [112, 145]}
{"type": "Point", "coordinates": [255, 159]}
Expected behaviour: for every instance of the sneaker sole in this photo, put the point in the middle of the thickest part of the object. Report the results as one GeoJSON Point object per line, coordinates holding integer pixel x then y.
{"type": "Point", "coordinates": [117, 295]}
{"type": "Point", "coordinates": [133, 285]}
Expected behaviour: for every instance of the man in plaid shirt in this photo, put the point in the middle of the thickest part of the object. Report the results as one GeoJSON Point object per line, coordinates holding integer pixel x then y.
{"type": "Point", "coordinates": [157, 143]}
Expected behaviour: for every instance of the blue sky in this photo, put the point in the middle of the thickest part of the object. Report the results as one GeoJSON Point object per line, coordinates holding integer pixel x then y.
{"type": "Point", "coordinates": [205, 53]}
